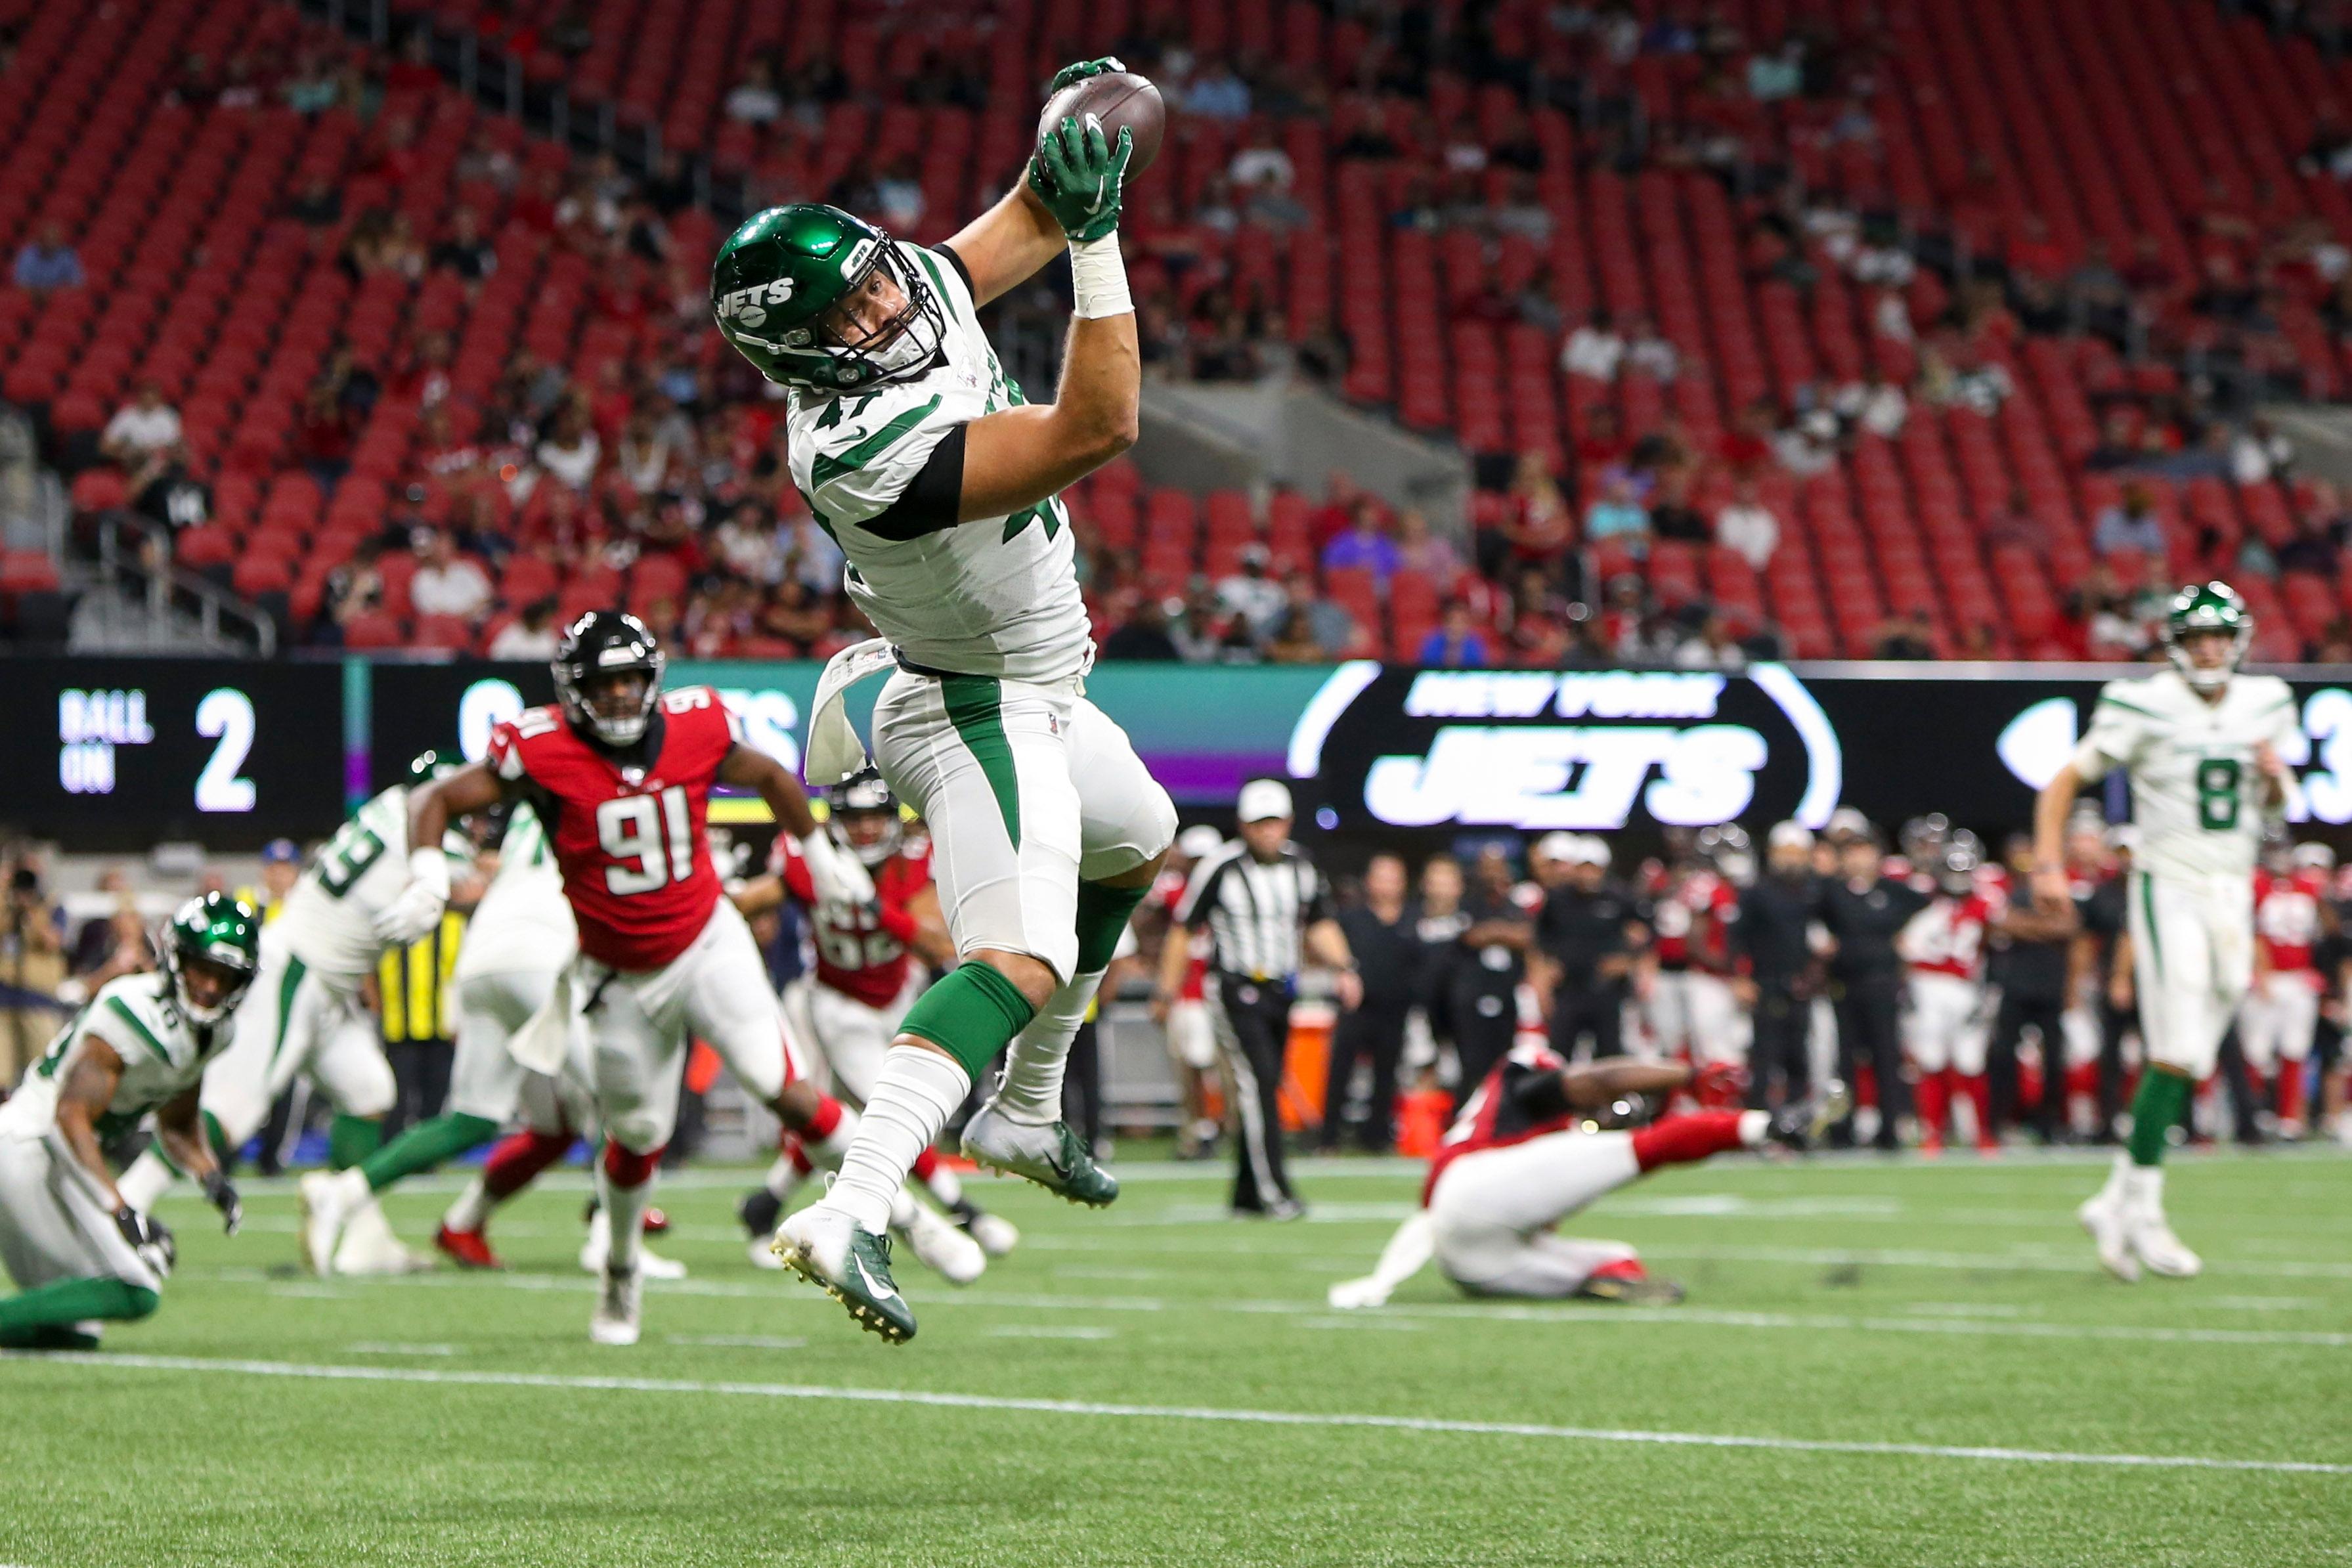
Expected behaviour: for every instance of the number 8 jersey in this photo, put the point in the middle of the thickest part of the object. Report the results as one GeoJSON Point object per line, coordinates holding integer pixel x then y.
{"type": "Point", "coordinates": [2195, 782]}
{"type": "Point", "coordinates": [628, 828]}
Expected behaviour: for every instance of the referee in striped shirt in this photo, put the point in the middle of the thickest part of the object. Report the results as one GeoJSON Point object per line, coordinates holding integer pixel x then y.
{"type": "Point", "coordinates": [1266, 910]}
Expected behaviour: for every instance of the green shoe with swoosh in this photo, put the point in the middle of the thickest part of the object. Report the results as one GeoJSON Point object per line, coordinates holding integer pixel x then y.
{"type": "Point", "coordinates": [1047, 1154]}
{"type": "Point", "coordinates": [825, 1247]}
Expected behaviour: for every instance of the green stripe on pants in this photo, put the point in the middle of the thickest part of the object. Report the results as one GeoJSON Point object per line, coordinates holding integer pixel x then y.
{"type": "Point", "coordinates": [295, 970]}
{"type": "Point", "coordinates": [975, 707]}
{"type": "Point", "coordinates": [2147, 917]}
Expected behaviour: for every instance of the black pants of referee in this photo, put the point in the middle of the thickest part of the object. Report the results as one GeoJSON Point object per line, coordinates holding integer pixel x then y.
{"type": "Point", "coordinates": [1782, 1048]}
{"type": "Point", "coordinates": [1485, 1023]}
{"type": "Point", "coordinates": [1372, 1033]}
{"type": "Point", "coordinates": [1252, 1018]}
{"type": "Point", "coordinates": [2046, 1015]}
{"type": "Point", "coordinates": [420, 1076]}
{"type": "Point", "coordinates": [1869, 1020]}
{"type": "Point", "coordinates": [1588, 1009]}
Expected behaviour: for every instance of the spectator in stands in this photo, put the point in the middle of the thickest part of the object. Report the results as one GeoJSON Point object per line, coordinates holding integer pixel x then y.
{"type": "Point", "coordinates": [1876, 406]}
{"type": "Point", "coordinates": [1651, 354]}
{"type": "Point", "coordinates": [143, 426]}
{"type": "Point", "coordinates": [464, 251]}
{"type": "Point", "coordinates": [313, 85]}
{"type": "Point", "coordinates": [1309, 620]}
{"type": "Point", "coordinates": [166, 489]}
{"type": "Point", "coordinates": [95, 942]}
{"type": "Point", "coordinates": [445, 582]}
{"type": "Point", "coordinates": [1456, 643]}
{"type": "Point", "coordinates": [1617, 513]}
{"type": "Point", "coordinates": [1364, 546]}
{"type": "Point", "coordinates": [1197, 632]}
{"type": "Point", "coordinates": [1143, 635]}
{"type": "Point", "coordinates": [1710, 644]}
{"type": "Point", "coordinates": [755, 100]}
{"type": "Point", "coordinates": [2318, 543]}
{"type": "Point", "coordinates": [1594, 350]}
{"type": "Point", "coordinates": [1424, 554]}
{"type": "Point", "coordinates": [2129, 525]}
{"type": "Point", "coordinates": [533, 635]}
{"type": "Point", "coordinates": [1671, 516]}
{"type": "Point", "coordinates": [326, 437]}
{"type": "Point", "coordinates": [1747, 447]}
{"type": "Point", "coordinates": [318, 205]}
{"type": "Point", "coordinates": [1537, 528]}
{"type": "Point", "coordinates": [1746, 527]}
{"type": "Point", "coordinates": [1908, 634]}
{"type": "Point", "coordinates": [1256, 598]}
{"type": "Point", "coordinates": [569, 449]}
{"type": "Point", "coordinates": [2259, 454]}
{"type": "Point", "coordinates": [47, 260]}
{"type": "Point", "coordinates": [1217, 93]}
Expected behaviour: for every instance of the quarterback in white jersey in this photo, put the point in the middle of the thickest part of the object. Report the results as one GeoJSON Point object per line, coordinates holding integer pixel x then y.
{"type": "Point", "coordinates": [2204, 749]}
{"type": "Point", "coordinates": [940, 483]}
{"type": "Point", "coordinates": [305, 1015]}
{"type": "Point", "coordinates": [78, 1252]}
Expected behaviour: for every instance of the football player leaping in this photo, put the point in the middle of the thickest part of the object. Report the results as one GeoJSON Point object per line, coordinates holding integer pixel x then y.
{"type": "Point", "coordinates": [2203, 746]}
{"type": "Point", "coordinates": [305, 1015]}
{"type": "Point", "coordinates": [940, 483]}
{"type": "Point", "coordinates": [81, 1253]}
{"type": "Point", "coordinates": [622, 774]}
{"type": "Point", "coordinates": [851, 1006]}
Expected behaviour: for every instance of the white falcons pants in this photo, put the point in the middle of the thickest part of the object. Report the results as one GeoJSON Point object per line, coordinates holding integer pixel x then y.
{"type": "Point", "coordinates": [850, 1036]}
{"type": "Point", "coordinates": [1693, 1012]}
{"type": "Point", "coordinates": [55, 1223]}
{"type": "Point", "coordinates": [295, 1019]}
{"type": "Point", "coordinates": [2278, 1018]}
{"type": "Point", "coordinates": [1026, 790]}
{"type": "Point", "coordinates": [1192, 1037]}
{"type": "Point", "coordinates": [641, 1021]}
{"type": "Point", "coordinates": [2193, 959]}
{"type": "Point", "coordinates": [1945, 1027]}
{"type": "Point", "coordinates": [1493, 1211]}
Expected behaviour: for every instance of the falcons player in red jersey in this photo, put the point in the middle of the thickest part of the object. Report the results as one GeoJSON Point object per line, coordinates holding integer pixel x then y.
{"type": "Point", "coordinates": [1527, 1152]}
{"type": "Point", "coordinates": [1693, 1011]}
{"type": "Point", "coordinates": [850, 1006]}
{"type": "Point", "coordinates": [2280, 1015]}
{"type": "Point", "coordinates": [1945, 1030]}
{"type": "Point", "coordinates": [621, 774]}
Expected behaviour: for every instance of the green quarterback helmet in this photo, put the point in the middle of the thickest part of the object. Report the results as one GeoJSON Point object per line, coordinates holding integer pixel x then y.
{"type": "Point", "coordinates": [216, 939]}
{"type": "Point", "coordinates": [2201, 608]}
{"type": "Point", "coordinates": [777, 282]}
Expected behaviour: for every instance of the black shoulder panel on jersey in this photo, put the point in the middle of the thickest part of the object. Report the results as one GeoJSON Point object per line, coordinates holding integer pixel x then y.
{"type": "Point", "coordinates": [932, 498]}
{"type": "Point", "coordinates": [1539, 1093]}
{"type": "Point", "coordinates": [946, 254]}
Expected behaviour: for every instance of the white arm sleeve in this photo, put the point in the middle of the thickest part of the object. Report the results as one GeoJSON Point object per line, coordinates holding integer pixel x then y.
{"type": "Point", "coordinates": [1407, 1253]}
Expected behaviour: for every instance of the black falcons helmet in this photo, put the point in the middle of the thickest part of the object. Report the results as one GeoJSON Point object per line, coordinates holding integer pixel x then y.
{"type": "Point", "coordinates": [601, 643]}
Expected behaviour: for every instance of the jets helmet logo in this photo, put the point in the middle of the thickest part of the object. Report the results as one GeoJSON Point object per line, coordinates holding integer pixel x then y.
{"type": "Point", "coordinates": [748, 307]}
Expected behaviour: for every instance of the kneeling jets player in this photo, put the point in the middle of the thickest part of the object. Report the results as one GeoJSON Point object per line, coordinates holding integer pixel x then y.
{"type": "Point", "coordinates": [81, 1255]}
{"type": "Point", "coordinates": [941, 484]}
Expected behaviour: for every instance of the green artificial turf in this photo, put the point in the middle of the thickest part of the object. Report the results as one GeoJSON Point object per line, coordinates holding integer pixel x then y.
{"type": "Point", "coordinates": [1951, 1305]}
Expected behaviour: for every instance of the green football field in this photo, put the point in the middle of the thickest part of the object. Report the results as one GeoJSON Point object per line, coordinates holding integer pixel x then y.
{"type": "Point", "coordinates": [1878, 1364]}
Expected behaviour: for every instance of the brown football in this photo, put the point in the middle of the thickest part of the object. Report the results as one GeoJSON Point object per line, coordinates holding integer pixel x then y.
{"type": "Point", "coordinates": [1116, 98]}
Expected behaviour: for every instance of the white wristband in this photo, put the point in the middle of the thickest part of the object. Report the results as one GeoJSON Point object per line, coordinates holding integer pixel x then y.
{"type": "Point", "coordinates": [429, 869]}
{"type": "Point", "coordinates": [1099, 278]}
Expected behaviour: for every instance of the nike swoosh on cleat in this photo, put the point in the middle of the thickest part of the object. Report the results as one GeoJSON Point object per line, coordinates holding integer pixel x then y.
{"type": "Point", "coordinates": [878, 1292]}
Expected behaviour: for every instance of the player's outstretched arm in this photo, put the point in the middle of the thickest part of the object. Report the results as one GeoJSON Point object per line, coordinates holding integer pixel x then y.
{"type": "Point", "coordinates": [1004, 247]}
{"type": "Point", "coordinates": [1022, 456]}
{"type": "Point", "coordinates": [180, 1130]}
{"type": "Point", "coordinates": [837, 877]}
{"type": "Point", "coordinates": [1598, 1084]}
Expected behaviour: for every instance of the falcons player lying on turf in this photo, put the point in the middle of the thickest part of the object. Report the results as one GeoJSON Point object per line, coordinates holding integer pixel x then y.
{"type": "Point", "coordinates": [621, 774]}
{"type": "Point", "coordinates": [851, 1006]}
{"type": "Point", "coordinates": [1528, 1152]}
{"type": "Point", "coordinates": [2280, 1015]}
{"type": "Point", "coordinates": [1945, 1029]}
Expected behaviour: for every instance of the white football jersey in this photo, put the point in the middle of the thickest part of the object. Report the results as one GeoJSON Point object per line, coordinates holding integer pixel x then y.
{"type": "Point", "coordinates": [162, 1054]}
{"type": "Point", "coordinates": [2196, 789]}
{"type": "Point", "coordinates": [993, 596]}
{"type": "Point", "coordinates": [523, 922]}
{"type": "Point", "coordinates": [329, 921]}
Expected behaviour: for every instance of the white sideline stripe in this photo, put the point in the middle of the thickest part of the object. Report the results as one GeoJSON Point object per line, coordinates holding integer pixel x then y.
{"type": "Point", "coordinates": [2070, 1261]}
{"type": "Point", "coordinates": [1173, 1412]}
{"type": "Point", "coordinates": [1484, 1311]}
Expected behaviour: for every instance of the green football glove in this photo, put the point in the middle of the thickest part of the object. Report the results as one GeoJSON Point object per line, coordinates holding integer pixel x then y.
{"type": "Point", "coordinates": [1081, 69]}
{"type": "Point", "coordinates": [1078, 175]}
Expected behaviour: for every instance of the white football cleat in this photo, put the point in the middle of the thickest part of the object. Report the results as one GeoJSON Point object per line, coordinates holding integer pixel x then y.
{"type": "Point", "coordinates": [369, 1247]}
{"type": "Point", "coordinates": [996, 1234]}
{"type": "Point", "coordinates": [597, 1251]}
{"type": "Point", "coordinates": [943, 1248]}
{"type": "Point", "coordinates": [615, 1322]}
{"type": "Point", "coordinates": [2102, 1217]}
{"type": "Point", "coordinates": [328, 1204]}
{"type": "Point", "coordinates": [2158, 1247]}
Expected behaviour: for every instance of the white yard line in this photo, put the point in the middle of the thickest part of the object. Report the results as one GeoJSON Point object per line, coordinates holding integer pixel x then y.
{"type": "Point", "coordinates": [377, 1347]}
{"type": "Point", "coordinates": [782, 1294]}
{"type": "Point", "coordinates": [738, 1341]}
{"type": "Point", "coordinates": [1047, 1331]}
{"type": "Point", "coordinates": [278, 1369]}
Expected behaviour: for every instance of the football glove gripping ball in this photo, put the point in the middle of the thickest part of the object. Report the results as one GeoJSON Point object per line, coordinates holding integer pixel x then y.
{"type": "Point", "coordinates": [1079, 175]}
{"type": "Point", "coordinates": [1079, 70]}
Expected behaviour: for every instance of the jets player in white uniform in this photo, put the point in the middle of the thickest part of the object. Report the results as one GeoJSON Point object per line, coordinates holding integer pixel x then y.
{"type": "Point", "coordinates": [304, 1016]}
{"type": "Point", "coordinates": [79, 1254]}
{"type": "Point", "coordinates": [2204, 749]}
{"type": "Point", "coordinates": [940, 480]}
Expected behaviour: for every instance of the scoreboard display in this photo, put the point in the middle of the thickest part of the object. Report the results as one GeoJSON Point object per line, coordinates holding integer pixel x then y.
{"type": "Point", "coordinates": [119, 754]}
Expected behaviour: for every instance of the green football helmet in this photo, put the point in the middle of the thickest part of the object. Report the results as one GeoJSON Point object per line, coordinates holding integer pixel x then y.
{"type": "Point", "coordinates": [2207, 607]}
{"type": "Point", "coordinates": [780, 272]}
{"type": "Point", "coordinates": [428, 766]}
{"type": "Point", "coordinates": [221, 933]}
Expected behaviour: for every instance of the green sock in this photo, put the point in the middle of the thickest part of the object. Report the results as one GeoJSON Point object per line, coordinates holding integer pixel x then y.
{"type": "Point", "coordinates": [1103, 914]}
{"type": "Point", "coordinates": [969, 1014]}
{"type": "Point", "coordinates": [2156, 1110]}
{"type": "Point", "coordinates": [64, 1302]}
{"type": "Point", "coordinates": [351, 1139]}
{"type": "Point", "coordinates": [215, 1135]}
{"type": "Point", "coordinates": [425, 1145]}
